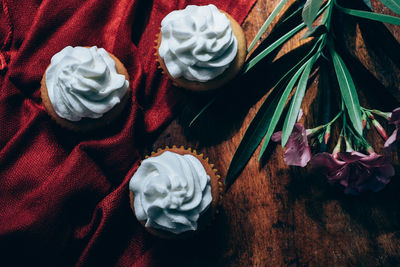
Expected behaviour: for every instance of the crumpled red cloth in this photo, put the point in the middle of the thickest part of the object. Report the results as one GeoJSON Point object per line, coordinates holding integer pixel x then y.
{"type": "Point", "coordinates": [63, 195]}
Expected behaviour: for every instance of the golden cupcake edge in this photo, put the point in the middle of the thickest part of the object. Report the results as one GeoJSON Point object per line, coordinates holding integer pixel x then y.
{"type": "Point", "coordinates": [87, 124]}
{"type": "Point", "coordinates": [217, 189]}
{"type": "Point", "coordinates": [222, 79]}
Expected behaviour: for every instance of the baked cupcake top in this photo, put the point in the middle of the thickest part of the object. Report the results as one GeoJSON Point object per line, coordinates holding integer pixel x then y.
{"type": "Point", "coordinates": [83, 82]}
{"type": "Point", "coordinates": [171, 192]}
{"type": "Point", "coordinates": [197, 43]}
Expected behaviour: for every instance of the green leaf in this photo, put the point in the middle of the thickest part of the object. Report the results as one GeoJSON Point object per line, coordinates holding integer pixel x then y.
{"type": "Point", "coordinates": [202, 110]}
{"type": "Point", "coordinates": [252, 138]}
{"type": "Point", "coordinates": [321, 137]}
{"type": "Point", "coordinates": [315, 32]}
{"type": "Point", "coordinates": [264, 27]}
{"type": "Point", "coordinates": [260, 124]}
{"type": "Point", "coordinates": [370, 15]}
{"type": "Point", "coordinates": [310, 11]}
{"type": "Point", "coordinates": [368, 3]}
{"type": "Point", "coordinates": [294, 13]}
{"type": "Point", "coordinates": [272, 47]}
{"type": "Point", "coordinates": [347, 90]}
{"type": "Point", "coordinates": [279, 42]}
{"type": "Point", "coordinates": [327, 19]}
{"type": "Point", "coordinates": [301, 62]}
{"type": "Point", "coordinates": [279, 109]}
{"type": "Point", "coordinates": [393, 5]}
{"type": "Point", "coordinates": [295, 104]}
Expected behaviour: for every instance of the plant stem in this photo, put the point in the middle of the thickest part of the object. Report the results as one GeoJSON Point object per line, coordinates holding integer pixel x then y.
{"type": "Point", "coordinates": [382, 114]}
{"type": "Point", "coordinates": [334, 119]}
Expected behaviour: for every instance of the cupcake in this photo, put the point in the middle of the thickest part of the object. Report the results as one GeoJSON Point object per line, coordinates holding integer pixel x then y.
{"type": "Point", "coordinates": [175, 193]}
{"type": "Point", "coordinates": [84, 88]}
{"type": "Point", "coordinates": [200, 47]}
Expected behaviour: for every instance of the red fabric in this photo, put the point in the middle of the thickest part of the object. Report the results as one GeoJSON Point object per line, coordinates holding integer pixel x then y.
{"type": "Point", "coordinates": [64, 196]}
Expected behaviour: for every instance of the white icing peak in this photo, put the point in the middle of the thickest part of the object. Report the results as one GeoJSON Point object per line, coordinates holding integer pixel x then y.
{"type": "Point", "coordinates": [83, 83]}
{"type": "Point", "coordinates": [197, 43]}
{"type": "Point", "coordinates": [171, 192]}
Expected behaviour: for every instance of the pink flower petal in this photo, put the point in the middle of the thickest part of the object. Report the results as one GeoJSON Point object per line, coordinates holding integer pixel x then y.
{"type": "Point", "coordinates": [355, 171]}
{"type": "Point", "coordinates": [300, 115]}
{"type": "Point", "coordinates": [295, 157]}
{"type": "Point", "coordinates": [326, 161]}
{"type": "Point", "coordinates": [391, 141]}
{"type": "Point", "coordinates": [395, 117]}
{"type": "Point", "coordinates": [351, 156]}
{"type": "Point", "coordinates": [297, 152]}
{"type": "Point", "coordinates": [276, 137]}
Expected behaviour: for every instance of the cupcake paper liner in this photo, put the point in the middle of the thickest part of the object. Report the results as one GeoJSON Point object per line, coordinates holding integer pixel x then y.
{"type": "Point", "coordinates": [87, 124]}
{"type": "Point", "coordinates": [220, 80]}
{"type": "Point", "coordinates": [216, 185]}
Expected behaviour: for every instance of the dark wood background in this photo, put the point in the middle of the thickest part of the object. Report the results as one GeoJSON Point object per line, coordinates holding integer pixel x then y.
{"type": "Point", "coordinates": [276, 215]}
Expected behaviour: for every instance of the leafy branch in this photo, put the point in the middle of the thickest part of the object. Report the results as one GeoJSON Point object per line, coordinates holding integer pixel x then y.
{"type": "Point", "coordinates": [317, 17]}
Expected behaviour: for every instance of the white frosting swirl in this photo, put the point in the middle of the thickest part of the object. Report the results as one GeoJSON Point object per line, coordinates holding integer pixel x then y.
{"type": "Point", "coordinates": [83, 82]}
{"type": "Point", "coordinates": [171, 192]}
{"type": "Point", "coordinates": [197, 43]}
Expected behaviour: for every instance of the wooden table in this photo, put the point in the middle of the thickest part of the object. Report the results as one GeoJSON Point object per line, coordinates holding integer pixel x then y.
{"type": "Point", "coordinates": [276, 215]}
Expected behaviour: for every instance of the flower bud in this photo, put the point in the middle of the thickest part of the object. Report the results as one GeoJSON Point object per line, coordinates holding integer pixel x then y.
{"type": "Point", "coordinates": [349, 147]}
{"type": "Point", "coordinates": [385, 115]}
{"type": "Point", "coordinates": [364, 121]}
{"type": "Point", "coordinates": [380, 129]}
{"type": "Point", "coordinates": [327, 134]}
{"type": "Point", "coordinates": [313, 131]}
{"type": "Point", "coordinates": [336, 150]}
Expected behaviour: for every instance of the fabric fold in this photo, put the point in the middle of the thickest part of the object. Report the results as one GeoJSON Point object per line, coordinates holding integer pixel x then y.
{"type": "Point", "coordinates": [64, 196]}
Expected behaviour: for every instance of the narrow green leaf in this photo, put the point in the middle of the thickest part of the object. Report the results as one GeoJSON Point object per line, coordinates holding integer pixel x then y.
{"type": "Point", "coordinates": [279, 109]}
{"type": "Point", "coordinates": [368, 3]}
{"type": "Point", "coordinates": [300, 63]}
{"type": "Point", "coordinates": [295, 13]}
{"type": "Point", "coordinates": [370, 15]}
{"type": "Point", "coordinates": [310, 11]}
{"type": "Point", "coordinates": [347, 90]}
{"type": "Point", "coordinates": [393, 5]}
{"type": "Point", "coordinates": [326, 20]}
{"type": "Point", "coordinates": [252, 138]}
{"type": "Point", "coordinates": [324, 88]}
{"type": "Point", "coordinates": [295, 104]}
{"type": "Point", "coordinates": [315, 32]}
{"type": "Point", "coordinates": [264, 27]}
{"type": "Point", "coordinates": [202, 110]}
{"type": "Point", "coordinates": [280, 41]}
{"type": "Point", "coordinates": [259, 125]}
{"type": "Point", "coordinates": [272, 47]}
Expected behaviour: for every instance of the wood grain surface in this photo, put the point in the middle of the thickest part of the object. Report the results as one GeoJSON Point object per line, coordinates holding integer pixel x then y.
{"type": "Point", "coordinates": [276, 215]}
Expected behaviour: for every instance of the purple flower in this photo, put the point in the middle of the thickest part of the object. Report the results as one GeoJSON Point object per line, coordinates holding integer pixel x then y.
{"type": "Point", "coordinates": [355, 171]}
{"type": "Point", "coordinates": [394, 119]}
{"type": "Point", "coordinates": [297, 152]}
